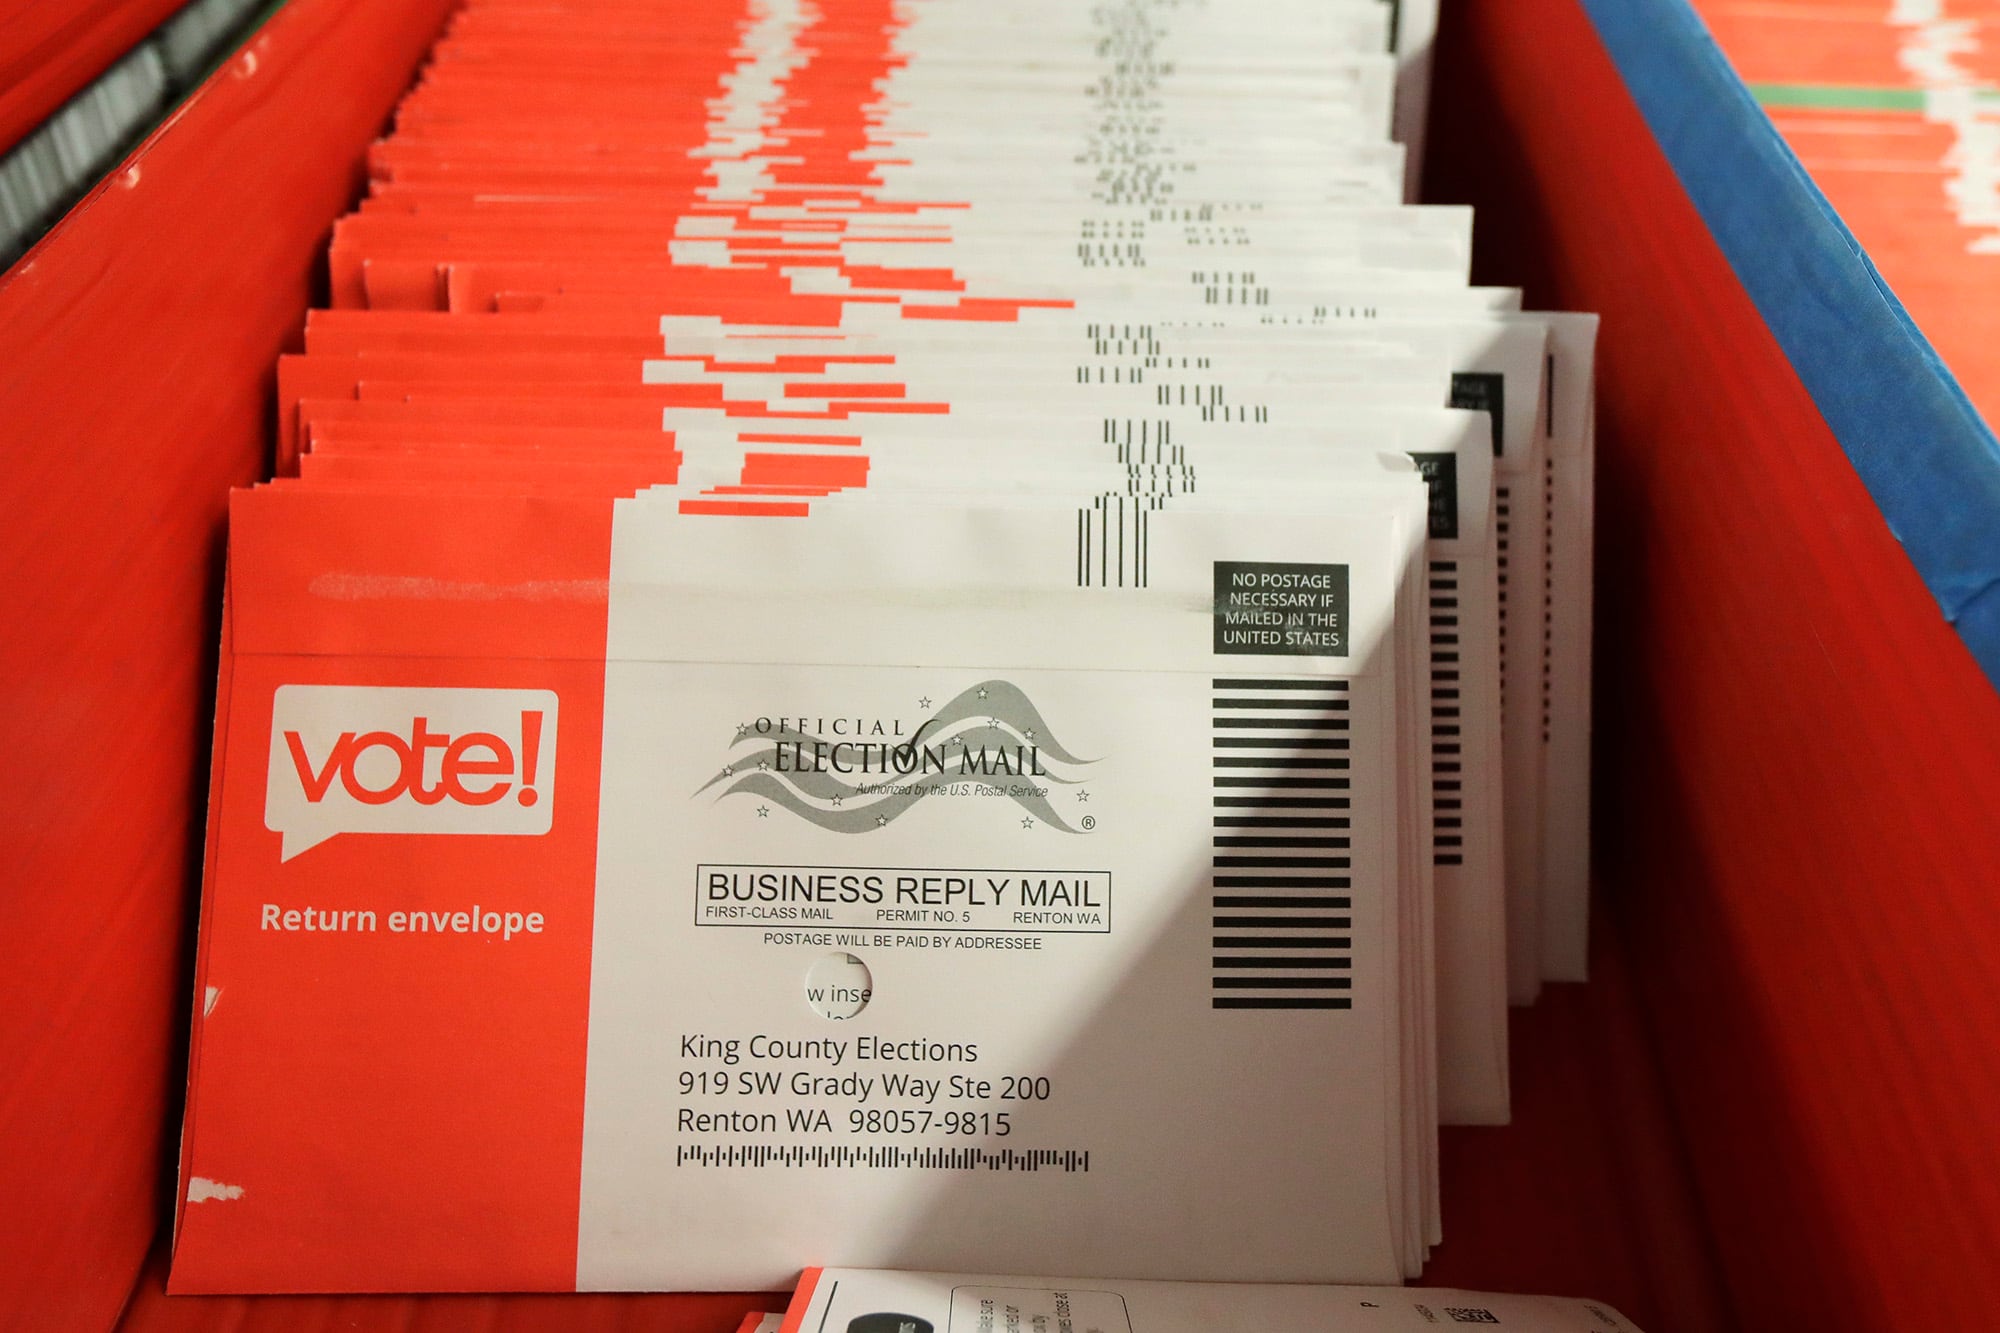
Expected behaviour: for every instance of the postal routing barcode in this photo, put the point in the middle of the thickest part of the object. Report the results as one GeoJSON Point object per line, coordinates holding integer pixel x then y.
{"type": "Point", "coordinates": [818, 1156]}
{"type": "Point", "coordinates": [1114, 540]}
{"type": "Point", "coordinates": [1283, 860]}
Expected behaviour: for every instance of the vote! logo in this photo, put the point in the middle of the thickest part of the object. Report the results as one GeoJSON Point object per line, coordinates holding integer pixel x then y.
{"type": "Point", "coordinates": [363, 759]}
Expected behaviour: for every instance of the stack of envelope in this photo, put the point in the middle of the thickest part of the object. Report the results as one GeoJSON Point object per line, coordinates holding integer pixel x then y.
{"type": "Point", "coordinates": [892, 632]}
{"type": "Point", "coordinates": [872, 1301]}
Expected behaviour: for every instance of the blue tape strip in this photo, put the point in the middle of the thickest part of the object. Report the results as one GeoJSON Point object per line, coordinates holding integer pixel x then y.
{"type": "Point", "coordinates": [1917, 442]}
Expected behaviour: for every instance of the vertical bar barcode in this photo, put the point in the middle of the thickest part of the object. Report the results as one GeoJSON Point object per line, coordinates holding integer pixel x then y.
{"type": "Point", "coordinates": [1548, 589]}
{"type": "Point", "coordinates": [1447, 718]}
{"type": "Point", "coordinates": [1503, 505]}
{"type": "Point", "coordinates": [1114, 540]}
{"type": "Point", "coordinates": [1283, 853]}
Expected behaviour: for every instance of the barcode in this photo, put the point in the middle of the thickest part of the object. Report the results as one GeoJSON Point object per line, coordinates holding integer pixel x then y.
{"type": "Point", "coordinates": [1548, 588]}
{"type": "Point", "coordinates": [1122, 339]}
{"type": "Point", "coordinates": [1502, 527]}
{"type": "Point", "coordinates": [1282, 860]}
{"type": "Point", "coordinates": [822, 1155]}
{"type": "Point", "coordinates": [1117, 374]}
{"type": "Point", "coordinates": [1144, 441]}
{"type": "Point", "coordinates": [1447, 719]}
{"type": "Point", "coordinates": [1208, 400]}
{"type": "Point", "coordinates": [1114, 540]}
{"type": "Point", "coordinates": [1232, 289]}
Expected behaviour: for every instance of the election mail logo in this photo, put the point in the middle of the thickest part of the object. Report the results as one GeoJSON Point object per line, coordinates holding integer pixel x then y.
{"type": "Point", "coordinates": [351, 759]}
{"type": "Point", "coordinates": [858, 774]}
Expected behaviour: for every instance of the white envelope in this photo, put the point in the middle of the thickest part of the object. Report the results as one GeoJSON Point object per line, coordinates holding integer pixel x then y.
{"type": "Point", "coordinates": [1106, 1009]}
{"type": "Point", "coordinates": [838, 1300]}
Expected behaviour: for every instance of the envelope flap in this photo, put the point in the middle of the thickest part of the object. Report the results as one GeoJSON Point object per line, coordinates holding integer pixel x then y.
{"type": "Point", "coordinates": [401, 574]}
